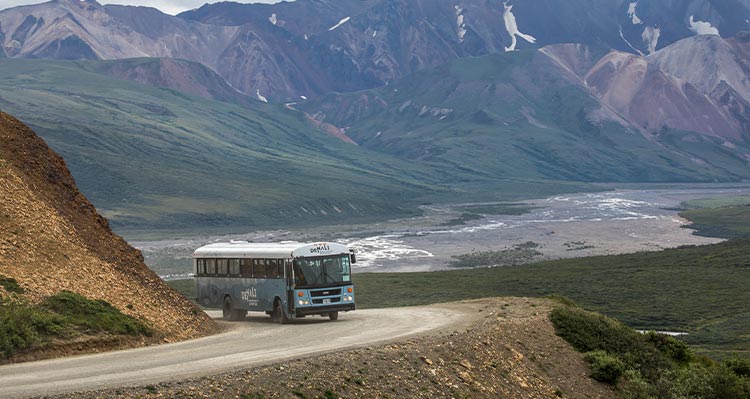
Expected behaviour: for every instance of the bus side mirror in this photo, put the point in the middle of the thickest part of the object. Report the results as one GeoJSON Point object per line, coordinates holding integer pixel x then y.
{"type": "Point", "coordinates": [353, 258]}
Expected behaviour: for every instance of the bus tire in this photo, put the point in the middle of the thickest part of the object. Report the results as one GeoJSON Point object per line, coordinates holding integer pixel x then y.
{"type": "Point", "coordinates": [333, 316]}
{"type": "Point", "coordinates": [227, 312]}
{"type": "Point", "coordinates": [278, 312]}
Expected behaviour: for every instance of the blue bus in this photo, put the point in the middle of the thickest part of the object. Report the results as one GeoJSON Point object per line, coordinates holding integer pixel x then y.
{"type": "Point", "coordinates": [287, 280]}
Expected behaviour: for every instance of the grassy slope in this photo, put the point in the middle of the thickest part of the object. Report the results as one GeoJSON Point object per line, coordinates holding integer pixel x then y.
{"type": "Point", "coordinates": [488, 134]}
{"type": "Point", "coordinates": [154, 157]}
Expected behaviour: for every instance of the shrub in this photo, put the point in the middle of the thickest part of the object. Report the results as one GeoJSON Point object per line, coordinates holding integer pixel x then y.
{"type": "Point", "coordinates": [94, 315]}
{"type": "Point", "coordinates": [670, 346]}
{"type": "Point", "coordinates": [605, 367]}
{"type": "Point", "coordinates": [10, 285]}
{"type": "Point", "coordinates": [634, 386]}
{"type": "Point", "coordinates": [563, 300]}
{"type": "Point", "coordinates": [23, 326]}
{"type": "Point", "coordinates": [739, 366]}
{"type": "Point", "coordinates": [588, 331]}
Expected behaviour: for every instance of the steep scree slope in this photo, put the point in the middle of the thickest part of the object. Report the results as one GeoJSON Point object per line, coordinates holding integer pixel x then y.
{"type": "Point", "coordinates": [52, 239]}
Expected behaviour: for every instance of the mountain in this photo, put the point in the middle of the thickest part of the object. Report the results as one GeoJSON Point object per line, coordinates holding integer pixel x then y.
{"type": "Point", "coordinates": [52, 239]}
{"type": "Point", "coordinates": [307, 48]}
{"type": "Point", "coordinates": [183, 76]}
{"type": "Point", "coordinates": [157, 158]}
{"type": "Point", "coordinates": [563, 112]}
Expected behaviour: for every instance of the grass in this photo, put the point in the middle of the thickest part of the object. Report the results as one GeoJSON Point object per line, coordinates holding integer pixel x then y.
{"type": "Point", "coordinates": [648, 365]}
{"type": "Point", "coordinates": [727, 222]}
{"type": "Point", "coordinates": [154, 159]}
{"type": "Point", "coordinates": [699, 290]}
{"type": "Point", "coordinates": [26, 327]}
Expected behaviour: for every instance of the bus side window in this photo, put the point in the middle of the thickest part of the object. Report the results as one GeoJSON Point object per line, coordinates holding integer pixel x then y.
{"type": "Point", "coordinates": [246, 267]}
{"type": "Point", "coordinates": [221, 266]}
{"type": "Point", "coordinates": [210, 267]}
{"type": "Point", "coordinates": [201, 267]}
{"type": "Point", "coordinates": [234, 267]}
{"type": "Point", "coordinates": [259, 268]}
{"type": "Point", "coordinates": [271, 268]}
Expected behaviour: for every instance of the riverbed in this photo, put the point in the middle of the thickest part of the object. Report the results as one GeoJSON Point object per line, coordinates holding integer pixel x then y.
{"type": "Point", "coordinates": [576, 225]}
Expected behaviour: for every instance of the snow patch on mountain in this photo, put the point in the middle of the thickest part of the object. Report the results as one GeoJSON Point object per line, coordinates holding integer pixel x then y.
{"type": "Point", "coordinates": [702, 28]}
{"type": "Point", "coordinates": [260, 96]}
{"type": "Point", "coordinates": [273, 18]}
{"type": "Point", "coordinates": [651, 38]}
{"type": "Point", "coordinates": [632, 15]}
{"type": "Point", "coordinates": [460, 25]}
{"type": "Point", "coordinates": [343, 21]}
{"type": "Point", "coordinates": [512, 27]}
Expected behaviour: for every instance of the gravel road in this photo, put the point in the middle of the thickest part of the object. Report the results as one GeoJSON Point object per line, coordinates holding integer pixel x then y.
{"type": "Point", "coordinates": [250, 343]}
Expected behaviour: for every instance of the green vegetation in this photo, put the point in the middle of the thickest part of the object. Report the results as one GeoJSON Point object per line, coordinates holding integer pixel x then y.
{"type": "Point", "coordinates": [726, 217]}
{"type": "Point", "coordinates": [156, 159]}
{"type": "Point", "coordinates": [25, 326]}
{"type": "Point", "coordinates": [720, 202]}
{"type": "Point", "coordinates": [698, 290]}
{"type": "Point", "coordinates": [509, 115]}
{"type": "Point", "coordinates": [648, 365]}
{"type": "Point", "coordinates": [518, 254]}
{"type": "Point", "coordinates": [10, 285]}
{"type": "Point", "coordinates": [94, 315]}
{"type": "Point", "coordinates": [726, 222]}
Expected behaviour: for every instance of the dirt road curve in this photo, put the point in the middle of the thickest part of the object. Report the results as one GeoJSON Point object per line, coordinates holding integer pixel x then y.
{"type": "Point", "coordinates": [254, 342]}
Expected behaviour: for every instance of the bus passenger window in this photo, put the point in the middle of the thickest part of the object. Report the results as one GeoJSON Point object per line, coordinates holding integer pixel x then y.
{"type": "Point", "coordinates": [234, 267]}
{"type": "Point", "coordinates": [211, 267]}
{"type": "Point", "coordinates": [201, 269]}
{"type": "Point", "coordinates": [246, 267]}
{"type": "Point", "coordinates": [271, 268]}
{"type": "Point", "coordinates": [221, 266]}
{"type": "Point", "coordinates": [259, 268]}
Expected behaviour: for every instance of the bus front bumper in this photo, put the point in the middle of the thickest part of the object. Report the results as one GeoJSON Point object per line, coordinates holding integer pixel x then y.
{"type": "Point", "coordinates": [323, 309]}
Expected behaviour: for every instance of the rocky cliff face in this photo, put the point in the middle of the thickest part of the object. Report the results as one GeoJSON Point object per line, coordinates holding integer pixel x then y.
{"type": "Point", "coordinates": [309, 47]}
{"type": "Point", "coordinates": [52, 239]}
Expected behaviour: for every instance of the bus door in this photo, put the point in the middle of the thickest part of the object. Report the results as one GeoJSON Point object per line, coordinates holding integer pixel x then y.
{"type": "Point", "coordinates": [289, 283]}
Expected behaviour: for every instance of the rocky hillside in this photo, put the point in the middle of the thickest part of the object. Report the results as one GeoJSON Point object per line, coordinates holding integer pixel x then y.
{"type": "Point", "coordinates": [52, 239]}
{"type": "Point", "coordinates": [310, 47]}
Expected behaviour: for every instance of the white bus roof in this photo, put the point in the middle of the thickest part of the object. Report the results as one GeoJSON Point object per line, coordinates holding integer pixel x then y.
{"type": "Point", "coordinates": [243, 249]}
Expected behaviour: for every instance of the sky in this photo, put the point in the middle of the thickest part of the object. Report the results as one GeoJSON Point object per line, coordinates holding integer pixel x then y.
{"type": "Point", "coordinates": [167, 6]}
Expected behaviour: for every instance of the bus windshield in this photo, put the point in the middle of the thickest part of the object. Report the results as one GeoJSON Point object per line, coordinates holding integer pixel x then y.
{"type": "Point", "coordinates": [322, 271]}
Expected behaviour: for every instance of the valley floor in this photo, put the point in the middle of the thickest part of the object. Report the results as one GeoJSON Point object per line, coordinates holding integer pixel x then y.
{"type": "Point", "coordinates": [570, 226]}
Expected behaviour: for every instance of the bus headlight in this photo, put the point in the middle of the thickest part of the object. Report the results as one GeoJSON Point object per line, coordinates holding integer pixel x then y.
{"type": "Point", "coordinates": [351, 299]}
{"type": "Point", "coordinates": [301, 302]}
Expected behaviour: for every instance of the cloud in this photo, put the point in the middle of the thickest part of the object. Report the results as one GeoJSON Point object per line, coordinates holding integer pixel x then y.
{"type": "Point", "coordinates": [167, 6]}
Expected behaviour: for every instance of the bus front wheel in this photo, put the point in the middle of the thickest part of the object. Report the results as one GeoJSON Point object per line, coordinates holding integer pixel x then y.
{"type": "Point", "coordinates": [333, 316]}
